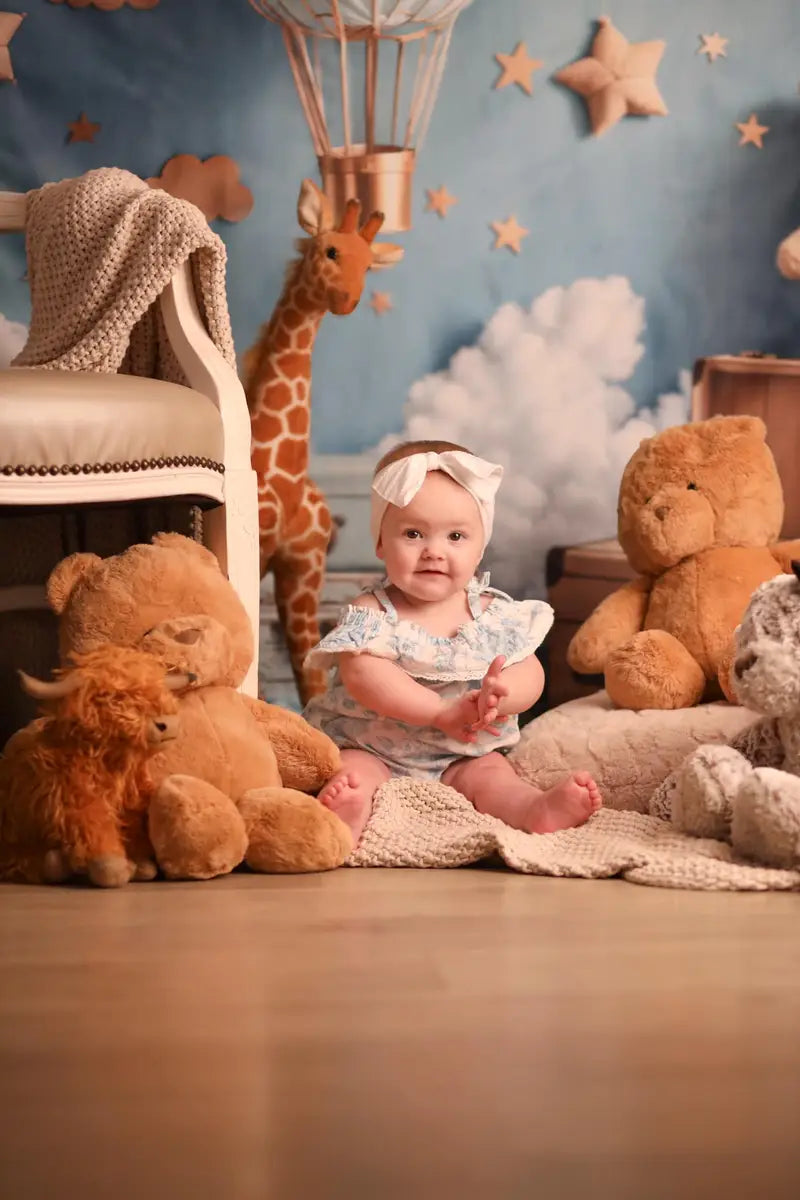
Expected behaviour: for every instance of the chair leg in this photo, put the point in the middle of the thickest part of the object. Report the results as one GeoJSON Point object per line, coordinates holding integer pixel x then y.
{"type": "Point", "coordinates": [231, 532]}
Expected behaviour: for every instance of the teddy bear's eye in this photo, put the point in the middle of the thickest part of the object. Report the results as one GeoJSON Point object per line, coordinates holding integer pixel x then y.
{"type": "Point", "coordinates": [691, 487]}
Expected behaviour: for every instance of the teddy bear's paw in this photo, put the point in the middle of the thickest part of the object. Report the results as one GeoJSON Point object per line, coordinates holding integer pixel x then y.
{"type": "Point", "coordinates": [109, 871]}
{"type": "Point", "coordinates": [766, 818]}
{"type": "Point", "coordinates": [144, 871]}
{"type": "Point", "coordinates": [653, 670]}
{"type": "Point", "coordinates": [55, 868]}
{"type": "Point", "coordinates": [705, 787]}
{"type": "Point", "coordinates": [290, 832]}
{"type": "Point", "coordinates": [195, 829]}
{"type": "Point", "coordinates": [587, 653]}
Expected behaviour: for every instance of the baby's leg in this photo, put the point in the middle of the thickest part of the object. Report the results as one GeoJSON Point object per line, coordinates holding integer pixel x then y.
{"type": "Point", "coordinates": [349, 792]}
{"type": "Point", "coordinates": [493, 786]}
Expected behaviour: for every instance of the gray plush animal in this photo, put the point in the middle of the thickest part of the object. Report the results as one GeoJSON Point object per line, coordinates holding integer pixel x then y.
{"type": "Point", "coordinates": [748, 792]}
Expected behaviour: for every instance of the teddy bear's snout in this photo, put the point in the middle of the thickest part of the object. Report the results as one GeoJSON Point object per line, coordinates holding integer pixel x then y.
{"type": "Point", "coordinates": [743, 663]}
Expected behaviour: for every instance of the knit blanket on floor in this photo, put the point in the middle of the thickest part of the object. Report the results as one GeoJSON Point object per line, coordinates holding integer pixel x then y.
{"type": "Point", "coordinates": [101, 249]}
{"type": "Point", "coordinates": [416, 824]}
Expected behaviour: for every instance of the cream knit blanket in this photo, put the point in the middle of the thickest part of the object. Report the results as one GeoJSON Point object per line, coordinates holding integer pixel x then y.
{"type": "Point", "coordinates": [417, 824]}
{"type": "Point", "coordinates": [101, 249]}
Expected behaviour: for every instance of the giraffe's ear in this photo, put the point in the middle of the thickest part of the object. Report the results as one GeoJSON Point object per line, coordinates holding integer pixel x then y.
{"type": "Point", "coordinates": [314, 212]}
{"type": "Point", "coordinates": [385, 254]}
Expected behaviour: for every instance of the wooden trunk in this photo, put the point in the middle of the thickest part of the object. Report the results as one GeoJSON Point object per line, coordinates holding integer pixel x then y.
{"type": "Point", "coordinates": [746, 385]}
{"type": "Point", "coordinates": [578, 578]}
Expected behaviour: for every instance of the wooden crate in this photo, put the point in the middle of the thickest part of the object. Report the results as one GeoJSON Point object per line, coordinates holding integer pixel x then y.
{"type": "Point", "coordinates": [578, 578]}
{"type": "Point", "coordinates": [756, 386]}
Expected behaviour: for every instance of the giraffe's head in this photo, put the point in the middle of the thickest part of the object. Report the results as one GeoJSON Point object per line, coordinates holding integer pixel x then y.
{"type": "Point", "coordinates": [335, 259]}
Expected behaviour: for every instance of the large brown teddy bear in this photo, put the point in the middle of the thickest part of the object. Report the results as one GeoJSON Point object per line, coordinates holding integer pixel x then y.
{"type": "Point", "coordinates": [235, 782]}
{"type": "Point", "coordinates": [700, 508]}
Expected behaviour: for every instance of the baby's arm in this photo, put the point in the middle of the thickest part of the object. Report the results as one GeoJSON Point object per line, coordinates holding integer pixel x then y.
{"type": "Point", "coordinates": [506, 692]}
{"type": "Point", "coordinates": [388, 690]}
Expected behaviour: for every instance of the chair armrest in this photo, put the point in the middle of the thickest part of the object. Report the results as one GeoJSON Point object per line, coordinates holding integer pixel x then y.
{"type": "Point", "coordinates": [205, 368]}
{"type": "Point", "coordinates": [12, 212]}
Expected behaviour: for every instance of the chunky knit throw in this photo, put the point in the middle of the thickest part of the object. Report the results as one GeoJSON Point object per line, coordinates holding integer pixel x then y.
{"type": "Point", "coordinates": [416, 824]}
{"type": "Point", "coordinates": [101, 249]}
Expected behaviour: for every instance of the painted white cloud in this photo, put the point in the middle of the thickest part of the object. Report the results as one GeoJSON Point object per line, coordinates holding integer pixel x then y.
{"type": "Point", "coordinates": [12, 339]}
{"type": "Point", "coordinates": [540, 392]}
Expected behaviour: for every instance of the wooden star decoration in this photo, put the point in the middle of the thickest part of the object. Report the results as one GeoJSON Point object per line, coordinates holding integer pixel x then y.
{"type": "Point", "coordinates": [752, 133]}
{"type": "Point", "coordinates": [439, 200]}
{"type": "Point", "coordinates": [518, 68]}
{"type": "Point", "coordinates": [509, 233]}
{"type": "Point", "coordinates": [713, 46]}
{"type": "Point", "coordinates": [82, 130]}
{"type": "Point", "coordinates": [617, 78]}
{"type": "Point", "coordinates": [380, 303]}
{"type": "Point", "coordinates": [9, 24]}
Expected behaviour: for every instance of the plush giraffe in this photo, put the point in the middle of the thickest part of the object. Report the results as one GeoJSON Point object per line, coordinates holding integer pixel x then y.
{"type": "Point", "coordinates": [294, 520]}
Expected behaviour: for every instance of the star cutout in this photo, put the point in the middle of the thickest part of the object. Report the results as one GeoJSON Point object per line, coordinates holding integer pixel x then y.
{"type": "Point", "coordinates": [518, 68]}
{"type": "Point", "coordinates": [82, 130]}
{"type": "Point", "coordinates": [752, 132]}
{"type": "Point", "coordinates": [713, 45]}
{"type": "Point", "coordinates": [381, 303]}
{"type": "Point", "coordinates": [439, 201]}
{"type": "Point", "coordinates": [9, 24]}
{"type": "Point", "coordinates": [617, 78]}
{"type": "Point", "coordinates": [509, 233]}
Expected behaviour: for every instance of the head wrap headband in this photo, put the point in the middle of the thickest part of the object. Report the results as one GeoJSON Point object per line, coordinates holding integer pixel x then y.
{"type": "Point", "coordinates": [399, 482]}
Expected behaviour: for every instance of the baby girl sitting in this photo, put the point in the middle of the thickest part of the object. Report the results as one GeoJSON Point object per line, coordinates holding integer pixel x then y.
{"type": "Point", "coordinates": [433, 668]}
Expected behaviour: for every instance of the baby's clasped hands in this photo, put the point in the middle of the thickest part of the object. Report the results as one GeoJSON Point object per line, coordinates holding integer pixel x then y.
{"type": "Point", "coordinates": [477, 710]}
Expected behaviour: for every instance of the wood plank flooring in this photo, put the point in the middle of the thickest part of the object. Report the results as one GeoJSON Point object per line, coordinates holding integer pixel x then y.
{"type": "Point", "coordinates": [383, 1035]}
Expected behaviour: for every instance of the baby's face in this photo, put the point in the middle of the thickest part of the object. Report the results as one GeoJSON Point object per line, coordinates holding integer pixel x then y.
{"type": "Point", "coordinates": [432, 547]}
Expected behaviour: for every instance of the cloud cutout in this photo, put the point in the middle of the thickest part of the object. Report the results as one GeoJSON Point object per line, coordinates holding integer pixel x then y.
{"type": "Point", "coordinates": [108, 5]}
{"type": "Point", "coordinates": [540, 393]}
{"type": "Point", "coordinates": [212, 185]}
{"type": "Point", "coordinates": [13, 336]}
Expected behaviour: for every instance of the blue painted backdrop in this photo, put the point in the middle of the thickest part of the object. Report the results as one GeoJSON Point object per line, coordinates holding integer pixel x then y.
{"type": "Point", "coordinates": [672, 203]}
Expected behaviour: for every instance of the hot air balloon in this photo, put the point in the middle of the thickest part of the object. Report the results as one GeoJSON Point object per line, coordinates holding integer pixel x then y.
{"type": "Point", "coordinates": [393, 52]}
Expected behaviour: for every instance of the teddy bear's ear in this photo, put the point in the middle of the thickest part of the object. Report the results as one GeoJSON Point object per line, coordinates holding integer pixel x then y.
{"type": "Point", "coordinates": [176, 541]}
{"type": "Point", "coordinates": [735, 427]}
{"type": "Point", "coordinates": [65, 576]}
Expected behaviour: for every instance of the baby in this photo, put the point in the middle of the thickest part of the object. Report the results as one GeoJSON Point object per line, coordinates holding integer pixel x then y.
{"type": "Point", "coordinates": [433, 666]}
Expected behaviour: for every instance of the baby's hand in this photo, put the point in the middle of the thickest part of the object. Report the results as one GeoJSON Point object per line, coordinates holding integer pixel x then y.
{"type": "Point", "coordinates": [491, 693]}
{"type": "Point", "coordinates": [459, 718]}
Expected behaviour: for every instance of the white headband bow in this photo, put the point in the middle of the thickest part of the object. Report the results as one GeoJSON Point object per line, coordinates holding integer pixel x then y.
{"type": "Point", "coordinates": [399, 482]}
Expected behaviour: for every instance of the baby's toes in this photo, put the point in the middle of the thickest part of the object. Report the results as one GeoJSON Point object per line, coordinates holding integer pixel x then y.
{"type": "Point", "coordinates": [595, 797]}
{"type": "Point", "coordinates": [584, 779]}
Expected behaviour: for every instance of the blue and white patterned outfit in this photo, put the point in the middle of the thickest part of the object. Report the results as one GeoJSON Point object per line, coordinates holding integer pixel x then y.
{"type": "Point", "coordinates": [449, 666]}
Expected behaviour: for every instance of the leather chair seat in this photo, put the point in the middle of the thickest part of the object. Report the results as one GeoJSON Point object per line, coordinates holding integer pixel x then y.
{"type": "Point", "coordinates": [88, 436]}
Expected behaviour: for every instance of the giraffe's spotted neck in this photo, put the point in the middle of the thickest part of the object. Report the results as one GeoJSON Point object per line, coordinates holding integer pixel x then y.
{"type": "Point", "coordinates": [279, 386]}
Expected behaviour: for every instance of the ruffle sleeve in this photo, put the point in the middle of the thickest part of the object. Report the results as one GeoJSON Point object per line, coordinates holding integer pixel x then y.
{"type": "Point", "coordinates": [358, 631]}
{"type": "Point", "coordinates": [519, 627]}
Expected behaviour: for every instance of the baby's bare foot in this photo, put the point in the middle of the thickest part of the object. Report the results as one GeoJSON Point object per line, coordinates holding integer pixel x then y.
{"type": "Point", "coordinates": [347, 795]}
{"type": "Point", "coordinates": [565, 806]}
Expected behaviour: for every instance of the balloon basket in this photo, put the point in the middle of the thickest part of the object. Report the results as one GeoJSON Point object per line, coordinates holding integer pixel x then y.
{"type": "Point", "coordinates": [380, 178]}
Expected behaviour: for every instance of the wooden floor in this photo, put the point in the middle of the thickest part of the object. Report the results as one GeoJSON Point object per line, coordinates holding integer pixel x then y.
{"type": "Point", "coordinates": [388, 1035]}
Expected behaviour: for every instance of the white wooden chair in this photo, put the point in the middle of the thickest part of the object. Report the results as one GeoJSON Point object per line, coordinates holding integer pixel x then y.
{"type": "Point", "coordinates": [75, 438]}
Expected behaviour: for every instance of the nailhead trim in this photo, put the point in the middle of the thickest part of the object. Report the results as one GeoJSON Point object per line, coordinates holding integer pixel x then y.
{"type": "Point", "coordinates": [106, 468]}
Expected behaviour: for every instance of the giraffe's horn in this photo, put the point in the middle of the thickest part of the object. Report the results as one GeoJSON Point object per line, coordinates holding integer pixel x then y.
{"type": "Point", "coordinates": [349, 222]}
{"type": "Point", "coordinates": [371, 226]}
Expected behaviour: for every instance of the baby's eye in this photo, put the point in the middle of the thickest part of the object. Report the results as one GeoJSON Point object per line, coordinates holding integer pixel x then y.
{"type": "Point", "coordinates": [456, 536]}
{"type": "Point", "coordinates": [411, 534]}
